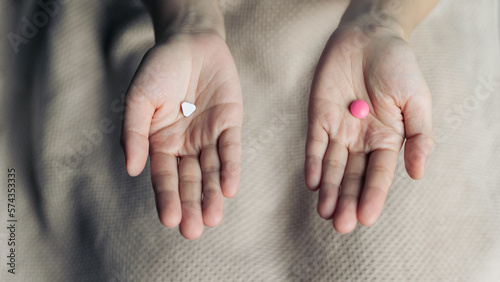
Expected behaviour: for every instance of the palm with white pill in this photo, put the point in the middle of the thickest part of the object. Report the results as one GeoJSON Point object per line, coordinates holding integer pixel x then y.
{"type": "Point", "coordinates": [195, 160]}
{"type": "Point", "coordinates": [352, 161]}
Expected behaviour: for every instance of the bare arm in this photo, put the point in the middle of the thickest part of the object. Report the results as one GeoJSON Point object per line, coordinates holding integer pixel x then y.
{"type": "Point", "coordinates": [189, 16]}
{"type": "Point", "coordinates": [407, 14]}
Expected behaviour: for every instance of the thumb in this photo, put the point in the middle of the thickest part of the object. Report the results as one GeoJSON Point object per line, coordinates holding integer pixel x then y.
{"type": "Point", "coordinates": [417, 113]}
{"type": "Point", "coordinates": [137, 119]}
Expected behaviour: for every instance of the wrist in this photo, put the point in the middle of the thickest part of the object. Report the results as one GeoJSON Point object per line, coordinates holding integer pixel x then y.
{"type": "Point", "coordinates": [186, 16]}
{"type": "Point", "coordinates": [372, 16]}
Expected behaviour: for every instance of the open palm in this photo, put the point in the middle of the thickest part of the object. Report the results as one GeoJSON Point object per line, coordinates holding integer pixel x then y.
{"type": "Point", "coordinates": [195, 160]}
{"type": "Point", "coordinates": [352, 161]}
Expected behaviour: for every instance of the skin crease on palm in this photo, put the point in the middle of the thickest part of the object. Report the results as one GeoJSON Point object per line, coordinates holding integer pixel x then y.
{"type": "Point", "coordinates": [352, 161]}
{"type": "Point", "coordinates": [197, 68]}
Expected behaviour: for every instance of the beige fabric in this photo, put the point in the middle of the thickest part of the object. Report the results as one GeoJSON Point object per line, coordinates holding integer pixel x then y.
{"type": "Point", "coordinates": [81, 218]}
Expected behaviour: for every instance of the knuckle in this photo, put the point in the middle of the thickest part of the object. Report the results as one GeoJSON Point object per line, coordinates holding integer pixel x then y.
{"type": "Point", "coordinates": [383, 172]}
{"type": "Point", "coordinates": [210, 170]}
{"type": "Point", "coordinates": [164, 174]}
{"type": "Point", "coordinates": [333, 163]}
{"type": "Point", "coordinates": [329, 188]}
{"type": "Point", "coordinates": [349, 196]}
{"type": "Point", "coordinates": [234, 145]}
{"type": "Point", "coordinates": [210, 193]}
{"type": "Point", "coordinates": [354, 176]}
{"type": "Point", "coordinates": [191, 204]}
{"type": "Point", "coordinates": [189, 179]}
{"type": "Point", "coordinates": [231, 168]}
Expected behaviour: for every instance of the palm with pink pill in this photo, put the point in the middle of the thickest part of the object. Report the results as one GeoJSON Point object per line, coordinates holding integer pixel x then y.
{"type": "Point", "coordinates": [195, 160]}
{"type": "Point", "coordinates": [352, 161]}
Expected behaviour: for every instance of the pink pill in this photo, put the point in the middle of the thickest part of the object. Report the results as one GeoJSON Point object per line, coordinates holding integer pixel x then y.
{"type": "Point", "coordinates": [360, 109]}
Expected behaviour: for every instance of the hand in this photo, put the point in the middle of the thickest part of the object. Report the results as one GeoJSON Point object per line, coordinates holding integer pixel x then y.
{"type": "Point", "coordinates": [195, 160]}
{"type": "Point", "coordinates": [352, 161]}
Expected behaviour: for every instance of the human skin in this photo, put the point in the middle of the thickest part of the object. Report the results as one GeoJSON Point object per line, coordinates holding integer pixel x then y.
{"type": "Point", "coordinates": [352, 161]}
{"type": "Point", "coordinates": [195, 160]}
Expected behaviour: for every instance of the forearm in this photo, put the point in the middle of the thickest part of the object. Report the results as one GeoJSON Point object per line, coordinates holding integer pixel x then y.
{"type": "Point", "coordinates": [406, 13]}
{"type": "Point", "coordinates": [189, 16]}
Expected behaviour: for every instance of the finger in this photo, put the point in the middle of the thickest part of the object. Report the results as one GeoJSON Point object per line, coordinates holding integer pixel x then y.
{"type": "Point", "coordinates": [379, 175]}
{"type": "Point", "coordinates": [333, 171]}
{"type": "Point", "coordinates": [316, 144]}
{"type": "Point", "coordinates": [213, 200]}
{"type": "Point", "coordinates": [137, 120]}
{"type": "Point", "coordinates": [166, 187]}
{"type": "Point", "coordinates": [419, 136]}
{"type": "Point", "coordinates": [345, 216]}
{"type": "Point", "coordinates": [230, 157]}
{"type": "Point", "coordinates": [191, 225]}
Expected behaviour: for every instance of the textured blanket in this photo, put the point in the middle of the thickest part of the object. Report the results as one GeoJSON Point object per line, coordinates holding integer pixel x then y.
{"type": "Point", "coordinates": [78, 216]}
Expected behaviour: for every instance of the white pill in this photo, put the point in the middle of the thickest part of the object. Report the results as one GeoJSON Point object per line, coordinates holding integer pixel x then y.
{"type": "Point", "coordinates": [187, 108]}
